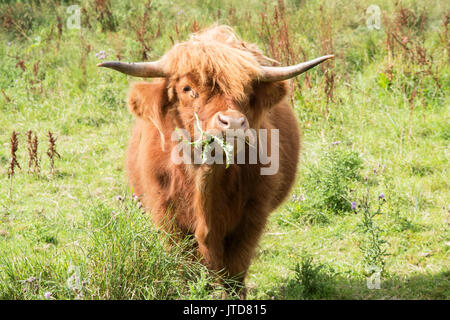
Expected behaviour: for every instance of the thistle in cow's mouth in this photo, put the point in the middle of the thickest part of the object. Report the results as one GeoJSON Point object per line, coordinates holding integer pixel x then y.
{"type": "Point", "coordinates": [205, 141]}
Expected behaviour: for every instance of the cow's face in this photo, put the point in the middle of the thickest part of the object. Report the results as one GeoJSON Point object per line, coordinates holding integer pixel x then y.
{"type": "Point", "coordinates": [218, 112]}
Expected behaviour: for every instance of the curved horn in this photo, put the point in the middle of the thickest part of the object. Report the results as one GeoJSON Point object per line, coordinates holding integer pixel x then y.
{"type": "Point", "coordinates": [140, 69]}
{"type": "Point", "coordinates": [269, 74]}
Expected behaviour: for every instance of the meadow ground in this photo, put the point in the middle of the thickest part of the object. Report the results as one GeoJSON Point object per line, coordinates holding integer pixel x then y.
{"type": "Point", "coordinates": [369, 215]}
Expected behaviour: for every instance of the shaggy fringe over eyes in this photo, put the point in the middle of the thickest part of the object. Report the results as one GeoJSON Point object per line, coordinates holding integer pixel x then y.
{"type": "Point", "coordinates": [218, 58]}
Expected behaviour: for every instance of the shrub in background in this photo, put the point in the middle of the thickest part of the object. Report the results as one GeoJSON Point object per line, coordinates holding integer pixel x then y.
{"type": "Point", "coordinates": [327, 186]}
{"type": "Point", "coordinates": [312, 280]}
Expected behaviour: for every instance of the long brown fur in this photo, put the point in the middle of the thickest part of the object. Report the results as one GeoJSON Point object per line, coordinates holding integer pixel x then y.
{"type": "Point", "coordinates": [226, 209]}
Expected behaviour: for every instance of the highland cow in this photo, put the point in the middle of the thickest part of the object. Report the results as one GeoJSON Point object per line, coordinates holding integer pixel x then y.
{"type": "Point", "coordinates": [223, 83]}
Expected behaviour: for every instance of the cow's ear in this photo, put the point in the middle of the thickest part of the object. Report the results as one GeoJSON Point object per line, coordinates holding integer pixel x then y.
{"type": "Point", "coordinates": [268, 94]}
{"type": "Point", "coordinates": [149, 100]}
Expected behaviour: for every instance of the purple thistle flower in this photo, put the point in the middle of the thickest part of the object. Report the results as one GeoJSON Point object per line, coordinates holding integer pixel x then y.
{"type": "Point", "coordinates": [48, 295]}
{"type": "Point", "coordinates": [381, 196]}
{"type": "Point", "coordinates": [353, 205]}
{"type": "Point", "coordinates": [101, 55]}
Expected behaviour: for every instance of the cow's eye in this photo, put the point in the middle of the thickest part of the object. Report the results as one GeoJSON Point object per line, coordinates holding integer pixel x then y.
{"type": "Point", "coordinates": [186, 89]}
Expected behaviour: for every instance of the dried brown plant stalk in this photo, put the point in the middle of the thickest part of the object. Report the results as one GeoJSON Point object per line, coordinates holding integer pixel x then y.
{"type": "Point", "coordinates": [105, 15]}
{"type": "Point", "coordinates": [8, 99]}
{"type": "Point", "coordinates": [14, 146]}
{"type": "Point", "coordinates": [13, 163]}
{"type": "Point", "coordinates": [326, 37]}
{"type": "Point", "coordinates": [145, 30]}
{"type": "Point", "coordinates": [276, 34]}
{"type": "Point", "coordinates": [33, 159]}
{"type": "Point", "coordinates": [51, 151]}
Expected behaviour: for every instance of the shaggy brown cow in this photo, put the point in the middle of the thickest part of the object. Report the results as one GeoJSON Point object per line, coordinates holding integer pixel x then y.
{"type": "Point", "coordinates": [227, 84]}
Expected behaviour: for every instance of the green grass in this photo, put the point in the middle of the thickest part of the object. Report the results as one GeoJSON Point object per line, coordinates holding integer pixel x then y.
{"type": "Point", "coordinates": [66, 233]}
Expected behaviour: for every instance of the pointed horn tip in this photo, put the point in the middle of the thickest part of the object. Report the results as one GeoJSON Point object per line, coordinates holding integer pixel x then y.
{"type": "Point", "coordinates": [107, 64]}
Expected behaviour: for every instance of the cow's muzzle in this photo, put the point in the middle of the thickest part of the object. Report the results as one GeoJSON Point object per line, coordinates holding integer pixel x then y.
{"type": "Point", "coordinates": [229, 120]}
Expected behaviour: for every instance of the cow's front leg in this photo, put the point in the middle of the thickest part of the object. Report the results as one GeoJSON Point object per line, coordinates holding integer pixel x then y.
{"type": "Point", "coordinates": [210, 247]}
{"type": "Point", "coordinates": [240, 246]}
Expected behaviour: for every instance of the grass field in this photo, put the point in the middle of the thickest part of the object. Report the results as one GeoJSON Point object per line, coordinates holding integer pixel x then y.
{"type": "Point", "coordinates": [369, 215]}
